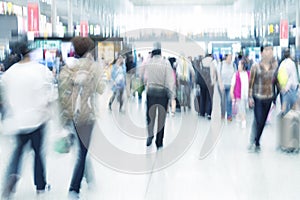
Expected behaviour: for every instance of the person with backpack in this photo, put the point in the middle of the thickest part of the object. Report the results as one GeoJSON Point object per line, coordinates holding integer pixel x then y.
{"type": "Point", "coordinates": [118, 77]}
{"type": "Point", "coordinates": [288, 81]}
{"type": "Point", "coordinates": [205, 76]}
{"type": "Point", "coordinates": [80, 80]}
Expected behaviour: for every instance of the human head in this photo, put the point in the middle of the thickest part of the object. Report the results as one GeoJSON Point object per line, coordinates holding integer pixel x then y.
{"type": "Point", "coordinates": [267, 51]}
{"type": "Point", "coordinates": [228, 58]}
{"type": "Point", "coordinates": [82, 45]}
{"type": "Point", "coordinates": [20, 46]}
{"type": "Point", "coordinates": [241, 66]}
{"type": "Point", "coordinates": [286, 53]}
{"type": "Point", "coordinates": [156, 49]}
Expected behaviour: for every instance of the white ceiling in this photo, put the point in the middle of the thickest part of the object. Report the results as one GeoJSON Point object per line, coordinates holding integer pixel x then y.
{"type": "Point", "coordinates": [181, 2]}
{"type": "Point", "coordinates": [273, 8]}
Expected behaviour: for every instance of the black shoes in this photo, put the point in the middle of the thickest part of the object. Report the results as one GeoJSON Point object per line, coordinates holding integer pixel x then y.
{"type": "Point", "coordinates": [257, 149]}
{"type": "Point", "coordinates": [149, 141]}
{"type": "Point", "coordinates": [252, 148]}
{"type": "Point", "coordinates": [42, 191]}
{"type": "Point", "coordinates": [159, 146]}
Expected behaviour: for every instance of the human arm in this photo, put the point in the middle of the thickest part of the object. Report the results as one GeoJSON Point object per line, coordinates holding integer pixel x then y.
{"type": "Point", "coordinates": [233, 82]}
{"type": "Point", "coordinates": [251, 85]}
{"type": "Point", "coordinates": [170, 81]}
{"type": "Point", "coordinates": [219, 77]}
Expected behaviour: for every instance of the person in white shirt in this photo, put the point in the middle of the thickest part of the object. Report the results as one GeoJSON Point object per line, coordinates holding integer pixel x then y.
{"type": "Point", "coordinates": [26, 93]}
{"type": "Point", "coordinates": [290, 89]}
{"type": "Point", "coordinates": [227, 70]}
{"type": "Point", "coordinates": [160, 88]}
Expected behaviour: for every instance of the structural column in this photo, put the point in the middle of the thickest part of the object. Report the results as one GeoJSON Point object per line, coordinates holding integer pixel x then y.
{"type": "Point", "coordinates": [70, 18]}
{"type": "Point", "coordinates": [54, 17]}
{"type": "Point", "coordinates": [298, 25]}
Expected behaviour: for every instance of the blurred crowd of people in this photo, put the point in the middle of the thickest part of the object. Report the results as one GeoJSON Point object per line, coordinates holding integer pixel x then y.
{"type": "Point", "coordinates": [174, 84]}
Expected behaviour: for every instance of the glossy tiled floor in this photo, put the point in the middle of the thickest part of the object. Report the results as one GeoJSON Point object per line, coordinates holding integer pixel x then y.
{"type": "Point", "coordinates": [201, 159]}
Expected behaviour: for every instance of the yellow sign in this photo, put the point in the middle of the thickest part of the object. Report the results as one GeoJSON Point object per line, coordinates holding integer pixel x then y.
{"type": "Point", "coordinates": [106, 51]}
{"type": "Point", "coordinates": [271, 28]}
{"type": "Point", "coordinates": [9, 8]}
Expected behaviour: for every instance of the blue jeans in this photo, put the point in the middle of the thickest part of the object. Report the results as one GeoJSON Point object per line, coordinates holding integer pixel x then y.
{"type": "Point", "coordinates": [36, 138]}
{"type": "Point", "coordinates": [228, 102]}
{"type": "Point", "coordinates": [261, 111]}
{"type": "Point", "coordinates": [84, 133]}
{"type": "Point", "coordinates": [159, 103]}
{"type": "Point", "coordinates": [288, 100]}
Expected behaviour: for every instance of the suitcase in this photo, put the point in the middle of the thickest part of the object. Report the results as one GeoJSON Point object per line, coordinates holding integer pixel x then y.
{"type": "Point", "coordinates": [288, 131]}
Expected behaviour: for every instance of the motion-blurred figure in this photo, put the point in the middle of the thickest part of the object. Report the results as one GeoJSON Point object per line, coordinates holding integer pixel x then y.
{"type": "Point", "coordinates": [26, 93]}
{"type": "Point", "coordinates": [160, 86]}
{"type": "Point", "coordinates": [79, 83]}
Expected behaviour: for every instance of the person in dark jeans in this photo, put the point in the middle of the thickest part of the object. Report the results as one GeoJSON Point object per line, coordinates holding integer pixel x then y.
{"type": "Point", "coordinates": [261, 111]}
{"type": "Point", "coordinates": [83, 119]}
{"type": "Point", "coordinates": [13, 174]}
{"type": "Point", "coordinates": [261, 93]}
{"type": "Point", "coordinates": [83, 133]}
{"type": "Point", "coordinates": [157, 99]}
{"type": "Point", "coordinates": [27, 118]}
{"type": "Point", "coordinates": [160, 85]}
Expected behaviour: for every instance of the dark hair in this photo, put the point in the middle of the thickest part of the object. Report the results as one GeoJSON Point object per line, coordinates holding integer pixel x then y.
{"type": "Point", "coordinates": [156, 52]}
{"type": "Point", "coordinates": [226, 56]}
{"type": "Point", "coordinates": [264, 45]}
{"type": "Point", "coordinates": [286, 53]}
{"type": "Point", "coordinates": [10, 60]}
{"type": "Point", "coordinates": [82, 45]}
{"type": "Point", "coordinates": [243, 62]}
{"type": "Point", "coordinates": [20, 46]}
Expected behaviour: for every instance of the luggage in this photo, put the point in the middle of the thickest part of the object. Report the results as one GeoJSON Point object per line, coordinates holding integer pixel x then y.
{"type": "Point", "coordinates": [288, 131]}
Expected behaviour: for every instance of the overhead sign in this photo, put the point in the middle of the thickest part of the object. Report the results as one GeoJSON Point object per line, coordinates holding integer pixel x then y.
{"type": "Point", "coordinates": [33, 17]}
{"type": "Point", "coordinates": [284, 33]}
{"type": "Point", "coordinates": [84, 28]}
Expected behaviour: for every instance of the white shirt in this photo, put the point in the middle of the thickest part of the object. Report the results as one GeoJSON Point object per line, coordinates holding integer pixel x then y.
{"type": "Point", "coordinates": [26, 95]}
{"type": "Point", "coordinates": [244, 84]}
